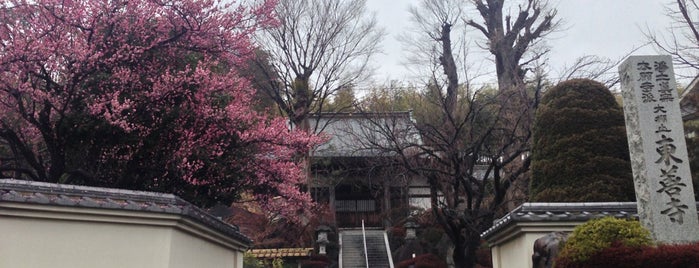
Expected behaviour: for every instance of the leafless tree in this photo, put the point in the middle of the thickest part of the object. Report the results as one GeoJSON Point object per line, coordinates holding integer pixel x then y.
{"type": "Point", "coordinates": [318, 48]}
{"type": "Point", "coordinates": [465, 160]}
{"type": "Point", "coordinates": [474, 142]}
{"type": "Point", "coordinates": [434, 20]}
{"type": "Point", "coordinates": [681, 40]}
{"type": "Point", "coordinates": [513, 31]}
{"type": "Point", "coordinates": [593, 67]}
{"type": "Point", "coordinates": [510, 41]}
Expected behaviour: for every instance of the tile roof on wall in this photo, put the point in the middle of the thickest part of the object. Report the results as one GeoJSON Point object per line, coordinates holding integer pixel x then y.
{"type": "Point", "coordinates": [30, 192]}
{"type": "Point", "coordinates": [560, 212]}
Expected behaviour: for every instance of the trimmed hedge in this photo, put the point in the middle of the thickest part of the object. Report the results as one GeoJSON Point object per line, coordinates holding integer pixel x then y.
{"type": "Point", "coordinates": [579, 150]}
{"type": "Point", "coordinates": [599, 234]}
{"type": "Point", "coordinates": [617, 256]}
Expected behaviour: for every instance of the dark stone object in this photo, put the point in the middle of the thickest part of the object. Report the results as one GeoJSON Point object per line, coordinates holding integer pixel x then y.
{"type": "Point", "coordinates": [547, 248]}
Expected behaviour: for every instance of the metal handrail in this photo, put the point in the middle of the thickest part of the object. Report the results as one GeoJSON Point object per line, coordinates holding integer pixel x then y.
{"type": "Point", "coordinates": [366, 253]}
{"type": "Point", "coordinates": [388, 250]}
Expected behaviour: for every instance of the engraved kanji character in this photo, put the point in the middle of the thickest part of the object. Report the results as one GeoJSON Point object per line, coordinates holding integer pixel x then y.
{"type": "Point", "coordinates": [647, 86]}
{"type": "Point", "coordinates": [662, 77]}
{"type": "Point", "coordinates": [643, 66]}
{"type": "Point", "coordinates": [647, 97]}
{"type": "Point", "coordinates": [675, 211]}
{"type": "Point", "coordinates": [645, 76]}
{"type": "Point", "coordinates": [666, 97]}
{"type": "Point", "coordinates": [672, 184]}
{"type": "Point", "coordinates": [662, 128]}
{"type": "Point", "coordinates": [659, 109]}
{"type": "Point", "coordinates": [660, 66]}
{"type": "Point", "coordinates": [666, 151]}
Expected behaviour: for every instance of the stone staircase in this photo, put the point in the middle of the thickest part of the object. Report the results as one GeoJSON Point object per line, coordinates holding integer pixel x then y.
{"type": "Point", "coordinates": [352, 249]}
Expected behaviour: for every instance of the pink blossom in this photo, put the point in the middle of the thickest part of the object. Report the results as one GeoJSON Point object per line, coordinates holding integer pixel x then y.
{"type": "Point", "coordinates": [130, 62]}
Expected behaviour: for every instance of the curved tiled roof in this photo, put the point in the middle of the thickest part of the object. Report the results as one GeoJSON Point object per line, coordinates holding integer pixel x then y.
{"type": "Point", "coordinates": [30, 192]}
{"type": "Point", "coordinates": [548, 212]}
{"type": "Point", "coordinates": [364, 134]}
{"type": "Point", "coordinates": [274, 253]}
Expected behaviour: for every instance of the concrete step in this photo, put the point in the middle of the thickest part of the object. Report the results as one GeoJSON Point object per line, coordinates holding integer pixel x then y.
{"type": "Point", "coordinates": [353, 249]}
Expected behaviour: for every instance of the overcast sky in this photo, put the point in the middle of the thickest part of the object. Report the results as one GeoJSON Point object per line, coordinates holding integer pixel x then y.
{"type": "Point", "coordinates": [609, 28]}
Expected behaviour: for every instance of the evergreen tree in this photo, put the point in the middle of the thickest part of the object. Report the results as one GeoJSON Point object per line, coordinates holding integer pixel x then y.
{"type": "Point", "coordinates": [580, 152]}
{"type": "Point", "coordinates": [691, 127]}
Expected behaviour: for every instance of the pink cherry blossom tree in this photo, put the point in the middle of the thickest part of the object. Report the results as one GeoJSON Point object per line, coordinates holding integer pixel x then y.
{"type": "Point", "coordinates": [141, 94]}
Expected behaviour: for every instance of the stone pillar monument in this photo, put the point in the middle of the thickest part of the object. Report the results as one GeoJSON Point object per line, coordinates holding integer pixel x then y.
{"type": "Point", "coordinates": [664, 192]}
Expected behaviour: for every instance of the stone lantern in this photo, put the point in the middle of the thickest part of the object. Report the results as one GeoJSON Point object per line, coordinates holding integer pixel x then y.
{"type": "Point", "coordinates": [322, 232]}
{"type": "Point", "coordinates": [410, 228]}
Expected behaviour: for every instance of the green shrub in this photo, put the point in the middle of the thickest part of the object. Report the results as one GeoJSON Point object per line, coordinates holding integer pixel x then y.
{"type": "Point", "coordinates": [249, 261]}
{"type": "Point", "coordinates": [579, 148]}
{"type": "Point", "coordinates": [596, 235]}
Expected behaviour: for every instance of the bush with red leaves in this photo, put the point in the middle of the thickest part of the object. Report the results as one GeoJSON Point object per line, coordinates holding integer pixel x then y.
{"type": "Point", "coordinates": [484, 257]}
{"type": "Point", "coordinates": [423, 261]}
{"type": "Point", "coordinates": [316, 262]}
{"type": "Point", "coordinates": [617, 256]}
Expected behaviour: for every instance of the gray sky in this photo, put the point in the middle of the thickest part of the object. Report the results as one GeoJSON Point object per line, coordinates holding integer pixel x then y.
{"type": "Point", "coordinates": [608, 28]}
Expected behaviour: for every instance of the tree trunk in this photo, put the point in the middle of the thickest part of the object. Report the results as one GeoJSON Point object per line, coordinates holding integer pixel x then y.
{"type": "Point", "coordinates": [449, 66]}
{"type": "Point", "coordinates": [471, 245]}
{"type": "Point", "coordinates": [302, 103]}
{"type": "Point", "coordinates": [460, 256]}
{"type": "Point", "coordinates": [54, 144]}
{"type": "Point", "coordinates": [21, 151]}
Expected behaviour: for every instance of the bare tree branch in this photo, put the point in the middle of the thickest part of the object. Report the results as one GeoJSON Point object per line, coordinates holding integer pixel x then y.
{"type": "Point", "coordinates": [474, 142]}
{"type": "Point", "coordinates": [319, 48]}
{"type": "Point", "coordinates": [681, 40]}
{"type": "Point", "coordinates": [594, 67]}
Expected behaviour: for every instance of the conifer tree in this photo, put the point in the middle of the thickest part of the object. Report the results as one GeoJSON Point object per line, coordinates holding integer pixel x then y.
{"type": "Point", "coordinates": [580, 152]}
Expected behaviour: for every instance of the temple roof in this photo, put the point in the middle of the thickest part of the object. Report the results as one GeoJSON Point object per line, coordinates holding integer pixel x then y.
{"type": "Point", "coordinates": [688, 101]}
{"type": "Point", "coordinates": [363, 134]}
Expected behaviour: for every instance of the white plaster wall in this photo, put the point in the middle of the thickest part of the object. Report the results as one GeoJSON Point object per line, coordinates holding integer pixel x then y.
{"type": "Point", "coordinates": [188, 251]}
{"type": "Point", "coordinates": [513, 253]}
{"type": "Point", "coordinates": [496, 256]}
{"type": "Point", "coordinates": [36, 242]}
{"type": "Point", "coordinates": [517, 250]}
{"type": "Point", "coordinates": [58, 237]}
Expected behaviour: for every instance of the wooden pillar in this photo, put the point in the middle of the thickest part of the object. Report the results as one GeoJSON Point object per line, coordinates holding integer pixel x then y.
{"type": "Point", "coordinates": [386, 206]}
{"type": "Point", "coordinates": [331, 204]}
